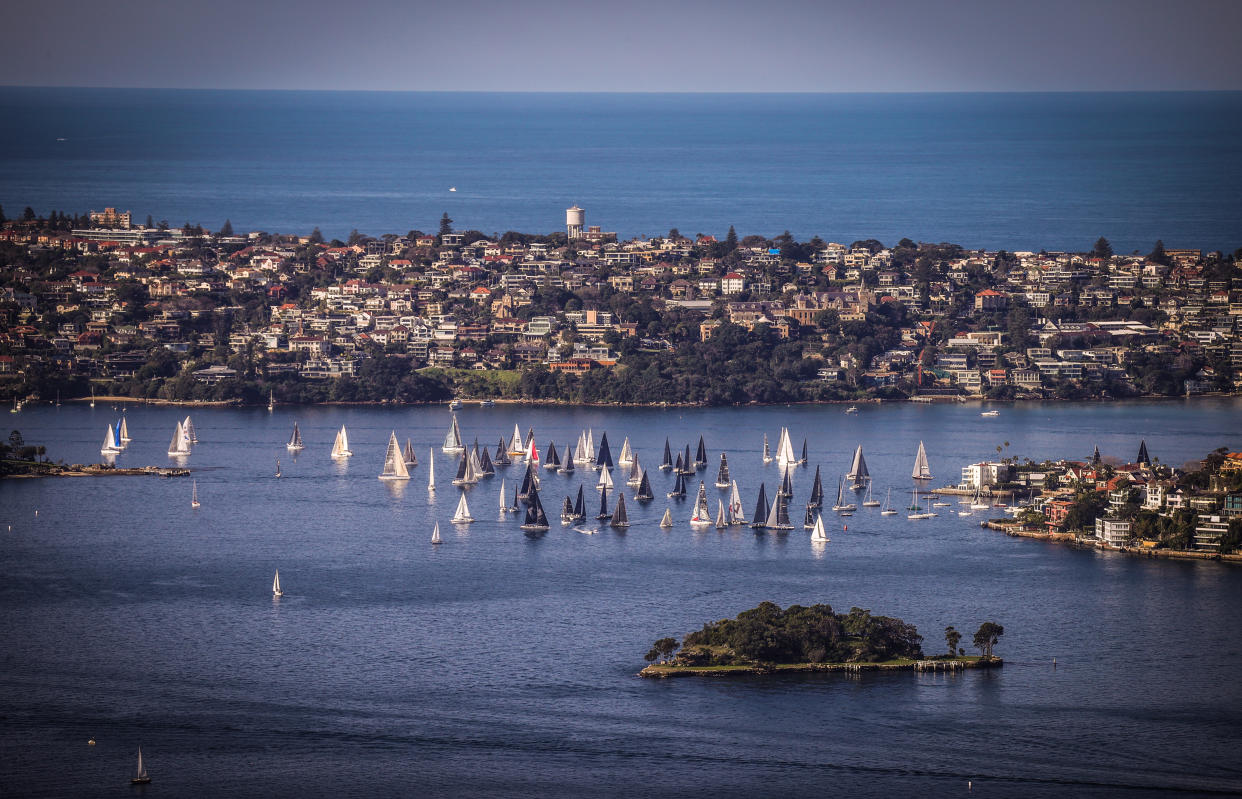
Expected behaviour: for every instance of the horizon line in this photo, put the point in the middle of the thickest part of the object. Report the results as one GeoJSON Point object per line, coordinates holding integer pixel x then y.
{"type": "Point", "coordinates": [673, 92]}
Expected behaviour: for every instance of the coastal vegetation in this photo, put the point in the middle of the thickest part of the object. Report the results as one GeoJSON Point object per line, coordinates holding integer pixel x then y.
{"type": "Point", "coordinates": [815, 636]}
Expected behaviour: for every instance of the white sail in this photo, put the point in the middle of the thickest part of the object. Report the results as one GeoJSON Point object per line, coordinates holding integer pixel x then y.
{"type": "Point", "coordinates": [503, 507]}
{"type": "Point", "coordinates": [590, 447]}
{"type": "Point", "coordinates": [515, 443]}
{"type": "Point", "coordinates": [858, 467]}
{"type": "Point", "coordinates": [667, 520]}
{"type": "Point", "coordinates": [921, 470]}
{"type": "Point", "coordinates": [109, 443]}
{"type": "Point", "coordinates": [142, 777]}
{"type": "Point", "coordinates": [394, 464]}
{"type": "Point", "coordinates": [702, 513]}
{"type": "Point", "coordinates": [767, 452]}
{"type": "Point", "coordinates": [180, 445]}
{"type": "Point", "coordinates": [627, 456]}
{"type": "Point", "coordinates": [435, 534]}
{"type": "Point", "coordinates": [736, 514]}
{"type": "Point", "coordinates": [888, 509]}
{"type": "Point", "coordinates": [722, 519]}
{"type": "Point", "coordinates": [295, 440]}
{"type": "Point", "coordinates": [124, 431]}
{"type": "Point", "coordinates": [271, 400]}
{"type": "Point", "coordinates": [452, 439]}
{"type": "Point", "coordinates": [276, 585]}
{"type": "Point", "coordinates": [340, 447]}
{"type": "Point", "coordinates": [431, 470]}
{"type": "Point", "coordinates": [818, 534]}
{"type": "Point", "coordinates": [605, 479]}
{"type": "Point", "coordinates": [194, 495]}
{"type": "Point", "coordinates": [784, 450]}
{"type": "Point", "coordinates": [191, 435]}
{"type": "Point", "coordinates": [462, 515]}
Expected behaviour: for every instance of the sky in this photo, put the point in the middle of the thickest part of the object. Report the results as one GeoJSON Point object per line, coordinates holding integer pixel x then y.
{"type": "Point", "coordinates": [627, 46]}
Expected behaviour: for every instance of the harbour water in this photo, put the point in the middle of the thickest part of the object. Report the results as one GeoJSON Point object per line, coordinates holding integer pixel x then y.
{"type": "Point", "coordinates": [1012, 171]}
{"type": "Point", "coordinates": [498, 664]}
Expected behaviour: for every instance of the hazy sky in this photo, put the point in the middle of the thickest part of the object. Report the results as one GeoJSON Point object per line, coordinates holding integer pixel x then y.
{"type": "Point", "coordinates": [631, 45]}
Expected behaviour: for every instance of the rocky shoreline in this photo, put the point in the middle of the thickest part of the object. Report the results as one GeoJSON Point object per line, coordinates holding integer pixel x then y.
{"type": "Point", "coordinates": [662, 671]}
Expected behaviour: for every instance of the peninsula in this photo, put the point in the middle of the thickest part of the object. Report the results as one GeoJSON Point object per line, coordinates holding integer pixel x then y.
{"type": "Point", "coordinates": [769, 640]}
{"type": "Point", "coordinates": [98, 303]}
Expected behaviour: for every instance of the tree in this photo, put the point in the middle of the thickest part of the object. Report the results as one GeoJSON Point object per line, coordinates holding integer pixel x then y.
{"type": "Point", "coordinates": [446, 224]}
{"type": "Point", "coordinates": [150, 222]}
{"type": "Point", "coordinates": [15, 440]}
{"type": "Point", "coordinates": [987, 637]}
{"type": "Point", "coordinates": [1158, 255]}
{"type": "Point", "coordinates": [28, 215]}
{"type": "Point", "coordinates": [316, 237]}
{"type": "Point", "coordinates": [731, 240]}
{"type": "Point", "coordinates": [1102, 249]}
{"type": "Point", "coordinates": [673, 234]}
{"type": "Point", "coordinates": [662, 649]}
{"type": "Point", "coordinates": [3, 218]}
{"type": "Point", "coordinates": [227, 228]}
{"type": "Point", "coordinates": [952, 637]}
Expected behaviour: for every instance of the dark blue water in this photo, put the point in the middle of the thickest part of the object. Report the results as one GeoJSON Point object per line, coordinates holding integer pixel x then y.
{"type": "Point", "coordinates": [500, 665]}
{"type": "Point", "coordinates": [1015, 171]}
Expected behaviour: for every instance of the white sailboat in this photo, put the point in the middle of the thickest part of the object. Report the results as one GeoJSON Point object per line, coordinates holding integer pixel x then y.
{"type": "Point", "coordinates": [278, 467]}
{"type": "Point", "coordinates": [295, 441]}
{"type": "Point", "coordinates": [109, 443]}
{"type": "Point", "coordinates": [141, 778]}
{"type": "Point", "coordinates": [340, 447]}
{"type": "Point", "coordinates": [858, 474]}
{"type": "Point", "coordinates": [431, 471]}
{"type": "Point", "coordinates": [977, 502]}
{"type": "Point", "coordinates": [888, 509]}
{"type": "Point", "coordinates": [462, 514]}
{"type": "Point", "coordinates": [516, 449]}
{"type": "Point", "coordinates": [841, 504]}
{"type": "Point", "coordinates": [605, 480]}
{"type": "Point", "coordinates": [124, 432]}
{"type": "Point", "coordinates": [722, 518]}
{"type": "Point", "coordinates": [394, 463]}
{"type": "Point", "coordinates": [276, 585]}
{"type": "Point", "coordinates": [667, 520]}
{"type": "Point", "coordinates": [767, 453]}
{"type": "Point", "coordinates": [452, 439]}
{"type": "Point", "coordinates": [627, 455]}
{"type": "Point", "coordinates": [194, 495]}
{"type": "Point", "coordinates": [784, 450]}
{"type": "Point", "coordinates": [870, 502]}
{"type": "Point", "coordinates": [504, 506]}
{"type": "Point", "coordinates": [92, 396]}
{"type": "Point", "coordinates": [435, 534]}
{"type": "Point", "coordinates": [922, 471]}
{"type": "Point", "coordinates": [271, 401]}
{"type": "Point", "coordinates": [191, 434]}
{"type": "Point", "coordinates": [179, 447]}
{"type": "Point", "coordinates": [818, 534]}
{"type": "Point", "coordinates": [702, 515]}
{"type": "Point", "coordinates": [736, 514]}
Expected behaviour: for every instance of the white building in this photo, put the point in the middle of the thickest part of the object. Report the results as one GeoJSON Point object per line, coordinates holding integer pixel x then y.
{"type": "Point", "coordinates": [1114, 532]}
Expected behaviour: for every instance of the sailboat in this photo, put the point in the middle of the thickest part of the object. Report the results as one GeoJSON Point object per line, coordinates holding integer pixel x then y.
{"type": "Point", "coordinates": [620, 520]}
{"type": "Point", "coordinates": [340, 446]}
{"type": "Point", "coordinates": [870, 502]}
{"type": "Point", "coordinates": [917, 512]}
{"type": "Point", "coordinates": [666, 521]}
{"type": "Point", "coordinates": [588, 455]}
{"type": "Point", "coordinates": [977, 502]}
{"type": "Point", "coordinates": [808, 519]}
{"type": "Point", "coordinates": [922, 471]}
{"type": "Point", "coordinates": [786, 487]}
{"type": "Point", "coordinates": [142, 778]}
{"type": "Point", "coordinates": [858, 474]}
{"type": "Point", "coordinates": [687, 465]}
{"type": "Point", "coordinates": [818, 534]}
{"type": "Point", "coordinates": [802, 460]}
{"type": "Point", "coordinates": [767, 452]}
{"type": "Point", "coordinates": [841, 504]}
{"type": "Point", "coordinates": [603, 505]}
{"type": "Point", "coordinates": [452, 439]}
{"type": "Point", "coordinates": [271, 401]}
{"type": "Point", "coordinates": [784, 449]}
{"type": "Point", "coordinates": [123, 430]}
{"type": "Point", "coordinates": [552, 460]}
{"type": "Point", "coordinates": [110, 444]}
{"type": "Point", "coordinates": [737, 514]}
{"type": "Point", "coordinates": [179, 446]}
{"type": "Point", "coordinates": [408, 455]}
{"type": "Point", "coordinates": [295, 441]}
{"type": "Point", "coordinates": [394, 463]}
{"type": "Point", "coordinates": [532, 453]}
{"type": "Point", "coordinates": [816, 499]}
{"type": "Point", "coordinates": [191, 435]}
{"type": "Point", "coordinates": [702, 515]}
{"type": "Point", "coordinates": [722, 476]}
{"type": "Point", "coordinates": [462, 514]}
{"type": "Point", "coordinates": [667, 463]}
{"type": "Point", "coordinates": [759, 520]}
{"type": "Point", "coordinates": [515, 443]}
{"type": "Point", "coordinates": [435, 534]}
{"type": "Point", "coordinates": [580, 505]}
{"type": "Point", "coordinates": [778, 516]}
{"type": "Point", "coordinates": [627, 455]}
{"type": "Point", "coordinates": [636, 472]}
{"type": "Point", "coordinates": [431, 471]}
{"type": "Point", "coordinates": [644, 489]}
{"type": "Point", "coordinates": [504, 507]}
{"type": "Point", "coordinates": [194, 495]}
{"type": "Point", "coordinates": [604, 459]}
{"type": "Point", "coordinates": [888, 509]}
{"type": "Point", "coordinates": [92, 396]}
{"type": "Point", "coordinates": [567, 512]}
{"type": "Point", "coordinates": [278, 467]}
{"type": "Point", "coordinates": [501, 458]}
{"type": "Point", "coordinates": [536, 520]}
{"type": "Point", "coordinates": [700, 456]}
{"type": "Point", "coordinates": [276, 585]}
{"type": "Point", "coordinates": [679, 487]}
{"type": "Point", "coordinates": [567, 466]}
{"type": "Point", "coordinates": [605, 479]}
{"type": "Point", "coordinates": [722, 519]}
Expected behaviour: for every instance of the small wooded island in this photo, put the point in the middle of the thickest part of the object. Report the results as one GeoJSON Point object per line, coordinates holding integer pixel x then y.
{"type": "Point", "coordinates": [767, 639]}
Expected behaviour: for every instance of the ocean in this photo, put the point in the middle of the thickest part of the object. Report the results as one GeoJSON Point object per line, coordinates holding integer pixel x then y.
{"type": "Point", "coordinates": [502, 665]}
{"type": "Point", "coordinates": [1011, 171]}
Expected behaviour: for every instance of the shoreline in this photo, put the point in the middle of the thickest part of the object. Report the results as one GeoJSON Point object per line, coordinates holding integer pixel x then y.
{"type": "Point", "coordinates": [97, 470]}
{"type": "Point", "coordinates": [664, 671]}
{"type": "Point", "coordinates": [1073, 540]}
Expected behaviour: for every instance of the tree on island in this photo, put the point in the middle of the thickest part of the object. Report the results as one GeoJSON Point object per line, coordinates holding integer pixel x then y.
{"type": "Point", "coordinates": [987, 637]}
{"type": "Point", "coordinates": [662, 649]}
{"type": "Point", "coordinates": [952, 637]}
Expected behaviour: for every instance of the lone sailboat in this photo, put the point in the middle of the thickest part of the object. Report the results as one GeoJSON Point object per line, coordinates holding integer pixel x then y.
{"type": "Point", "coordinates": [142, 777]}
{"type": "Point", "coordinates": [431, 471]}
{"type": "Point", "coordinates": [394, 463]}
{"type": "Point", "coordinates": [194, 495]}
{"type": "Point", "coordinates": [340, 447]}
{"type": "Point", "coordinates": [271, 401]}
{"type": "Point", "coordinates": [666, 521]}
{"type": "Point", "coordinates": [922, 471]}
{"type": "Point", "coordinates": [435, 534]}
{"type": "Point", "coordinates": [462, 514]}
{"type": "Point", "coordinates": [276, 585]}
{"type": "Point", "coordinates": [295, 441]}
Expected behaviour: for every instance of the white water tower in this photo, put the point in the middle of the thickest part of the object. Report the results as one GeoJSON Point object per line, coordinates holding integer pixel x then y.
{"type": "Point", "coordinates": [574, 218]}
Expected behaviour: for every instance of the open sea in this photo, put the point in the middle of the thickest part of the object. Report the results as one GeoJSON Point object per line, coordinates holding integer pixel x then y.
{"type": "Point", "coordinates": [499, 665]}
{"type": "Point", "coordinates": [1012, 171]}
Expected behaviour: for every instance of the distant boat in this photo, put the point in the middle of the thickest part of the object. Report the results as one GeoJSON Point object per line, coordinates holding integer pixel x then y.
{"type": "Point", "coordinates": [870, 502]}
{"type": "Point", "coordinates": [501, 458]}
{"type": "Point", "coordinates": [679, 487]}
{"type": "Point", "coordinates": [722, 518]}
{"type": "Point", "coordinates": [567, 465]}
{"type": "Point", "coordinates": [778, 516]}
{"type": "Point", "coordinates": [276, 585]}
{"type": "Point", "coordinates": [516, 449]}
{"type": "Point", "coordinates": [603, 505]}
{"type": "Point", "coordinates": [452, 439]}
{"type": "Point", "coordinates": [667, 520]}
{"type": "Point", "coordinates": [643, 493]}
{"type": "Point", "coordinates": [487, 403]}
{"type": "Point", "coordinates": [818, 534]}
{"type": "Point", "coordinates": [123, 430]}
{"type": "Point", "coordinates": [110, 445]}
{"type": "Point", "coordinates": [667, 463]}
{"type": "Point", "coordinates": [700, 456]}
{"type": "Point", "coordinates": [990, 413]}
{"type": "Point", "coordinates": [627, 455]}
{"type": "Point", "coordinates": [271, 401]}
{"type": "Point", "coordinates": [452, 188]}
{"type": "Point", "coordinates": [702, 515]}
{"type": "Point", "coordinates": [295, 441]}
{"type": "Point", "coordinates": [504, 506]}
{"type": "Point", "coordinates": [922, 471]}
{"type": "Point", "coordinates": [394, 463]}
{"type": "Point", "coordinates": [191, 435]}
{"type": "Point", "coordinates": [767, 452]}
{"type": "Point", "coordinates": [536, 520]}
{"type": "Point", "coordinates": [408, 454]}
{"type": "Point", "coordinates": [142, 777]}
{"type": "Point", "coordinates": [605, 479]}
{"type": "Point", "coordinates": [92, 396]}
{"type": "Point", "coordinates": [620, 519]}
{"type": "Point", "coordinates": [858, 475]}
{"type": "Point", "coordinates": [552, 459]}
{"type": "Point", "coordinates": [722, 476]}
{"type": "Point", "coordinates": [816, 499]}
{"type": "Point", "coordinates": [784, 449]}
{"type": "Point", "coordinates": [841, 504]}
{"type": "Point", "coordinates": [340, 447]}
{"type": "Point", "coordinates": [431, 471]}
{"type": "Point", "coordinates": [759, 520]}
{"type": "Point", "coordinates": [435, 534]}
{"type": "Point", "coordinates": [179, 447]}
{"type": "Point", "coordinates": [455, 405]}
{"type": "Point", "coordinates": [194, 495]}
{"type": "Point", "coordinates": [462, 514]}
{"type": "Point", "coordinates": [802, 460]}
{"type": "Point", "coordinates": [278, 467]}
{"type": "Point", "coordinates": [737, 514]}
{"type": "Point", "coordinates": [852, 409]}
